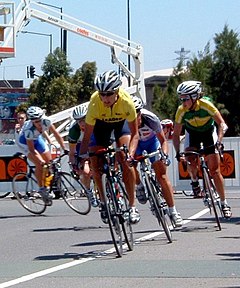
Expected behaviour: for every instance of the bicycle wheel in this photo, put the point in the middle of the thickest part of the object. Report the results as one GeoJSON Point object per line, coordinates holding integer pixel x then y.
{"type": "Point", "coordinates": [73, 193]}
{"type": "Point", "coordinates": [4, 194]}
{"type": "Point", "coordinates": [113, 219]}
{"type": "Point", "coordinates": [157, 208]}
{"type": "Point", "coordinates": [25, 189]}
{"type": "Point", "coordinates": [125, 220]}
{"type": "Point", "coordinates": [211, 190]}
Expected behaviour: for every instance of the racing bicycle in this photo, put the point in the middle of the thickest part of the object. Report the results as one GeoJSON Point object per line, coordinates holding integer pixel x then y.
{"type": "Point", "coordinates": [26, 189]}
{"type": "Point", "coordinates": [116, 199]}
{"type": "Point", "coordinates": [209, 193]}
{"type": "Point", "coordinates": [157, 203]}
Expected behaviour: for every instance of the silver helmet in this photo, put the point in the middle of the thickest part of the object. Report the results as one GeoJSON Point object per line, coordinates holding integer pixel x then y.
{"type": "Point", "coordinates": [191, 88]}
{"type": "Point", "coordinates": [34, 112]}
{"type": "Point", "coordinates": [138, 103]}
{"type": "Point", "coordinates": [108, 81]}
{"type": "Point", "coordinates": [80, 111]}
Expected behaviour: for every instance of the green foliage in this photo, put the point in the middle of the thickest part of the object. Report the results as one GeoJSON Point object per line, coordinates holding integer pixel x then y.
{"type": "Point", "coordinates": [57, 89]}
{"type": "Point", "coordinates": [22, 107]}
{"type": "Point", "coordinates": [165, 101]}
{"type": "Point", "coordinates": [56, 65]}
{"type": "Point", "coordinates": [83, 81]}
{"type": "Point", "coordinates": [225, 76]}
{"type": "Point", "coordinates": [219, 72]}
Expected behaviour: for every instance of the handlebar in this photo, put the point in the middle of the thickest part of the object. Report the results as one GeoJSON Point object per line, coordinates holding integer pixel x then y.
{"type": "Point", "coordinates": [163, 157]}
{"type": "Point", "coordinates": [107, 150]}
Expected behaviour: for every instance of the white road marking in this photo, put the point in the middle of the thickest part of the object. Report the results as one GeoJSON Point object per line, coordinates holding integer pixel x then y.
{"type": "Point", "coordinates": [82, 261]}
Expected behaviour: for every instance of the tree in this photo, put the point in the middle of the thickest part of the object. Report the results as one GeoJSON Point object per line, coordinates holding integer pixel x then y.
{"type": "Point", "coordinates": [219, 72]}
{"type": "Point", "coordinates": [165, 100]}
{"type": "Point", "coordinates": [225, 76]}
{"type": "Point", "coordinates": [83, 81]}
{"type": "Point", "coordinates": [56, 65]}
{"type": "Point", "coordinates": [57, 89]}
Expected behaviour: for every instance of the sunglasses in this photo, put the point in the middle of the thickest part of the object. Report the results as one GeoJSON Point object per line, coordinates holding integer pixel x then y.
{"type": "Point", "coordinates": [109, 93]}
{"type": "Point", "coordinates": [184, 99]}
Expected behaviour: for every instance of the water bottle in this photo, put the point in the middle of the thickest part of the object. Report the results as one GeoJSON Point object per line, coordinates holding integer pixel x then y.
{"type": "Point", "coordinates": [48, 180]}
{"type": "Point", "coordinates": [48, 176]}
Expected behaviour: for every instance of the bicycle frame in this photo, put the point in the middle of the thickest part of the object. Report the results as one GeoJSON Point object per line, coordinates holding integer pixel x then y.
{"type": "Point", "coordinates": [116, 199]}
{"type": "Point", "coordinates": [157, 203]}
{"type": "Point", "coordinates": [210, 195]}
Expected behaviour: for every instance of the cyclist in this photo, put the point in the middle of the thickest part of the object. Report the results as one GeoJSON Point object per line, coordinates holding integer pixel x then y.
{"type": "Point", "coordinates": [167, 126]}
{"type": "Point", "coordinates": [75, 136]}
{"type": "Point", "coordinates": [151, 138]}
{"type": "Point", "coordinates": [111, 109]}
{"type": "Point", "coordinates": [36, 147]}
{"type": "Point", "coordinates": [21, 118]}
{"type": "Point", "coordinates": [198, 116]}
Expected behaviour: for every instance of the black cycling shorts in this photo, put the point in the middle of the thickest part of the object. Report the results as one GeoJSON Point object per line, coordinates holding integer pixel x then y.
{"type": "Point", "coordinates": [208, 138]}
{"type": "Point", "coordinates": [103, 132]}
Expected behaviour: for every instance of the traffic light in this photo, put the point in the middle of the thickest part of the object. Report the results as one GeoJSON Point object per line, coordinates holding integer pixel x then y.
{"type": "Point", "coordinates": [32, 71]}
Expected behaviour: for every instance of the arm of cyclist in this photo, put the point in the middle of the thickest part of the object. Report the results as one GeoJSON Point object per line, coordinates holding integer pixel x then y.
{"type": "Point", "coordinates": [222, 126]}
{"type": "Point", "coordinates": [134, 140]}
{"type": "Point", "coordinates": [164, 147]}
{"type": "Point", "coordinates": [85, 141]}
{"type": "Point", "coordinates": [177, 140]}
{"type": "Point", "coordinates": [58, 137]}
{"type": "Point", "coordinates": [47, 137]}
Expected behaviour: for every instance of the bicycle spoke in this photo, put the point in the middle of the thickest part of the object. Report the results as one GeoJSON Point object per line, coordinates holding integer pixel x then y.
{"type": "Point", "coordinates": [125, 220]}
{"type": "Point", "coordinates": [158, 209]}
{"type": "Point", "coordinates": [74, 193]}
{"type": "Point", "coordinates": [25, 189]}
{"type": "Point", "coordinates": [113, 219]}
{"type": "Point", "coordinates": [211, 190]}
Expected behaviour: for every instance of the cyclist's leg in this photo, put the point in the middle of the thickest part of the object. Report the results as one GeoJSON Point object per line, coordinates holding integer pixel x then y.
{"type": "Point", "coordinates": [44, 155]}
{"type": "Point", "coordinates": [167, 190]}
{"type": "Point", "coordinates": [83, 172]}
{"type": "Point", "coordinates": [98, 141]}
{"type": "Point", "coordinates": [129, 176]}
{"type": "Point", "coordinates": [191, 143]}
{"type": "Point", "coordinates": [213, 161]}
{"type": "Point", "coordinates": [123, 136]}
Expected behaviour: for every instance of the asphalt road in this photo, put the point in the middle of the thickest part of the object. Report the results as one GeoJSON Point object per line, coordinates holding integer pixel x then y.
{"type": "Point", "coordinates": [64, 249]}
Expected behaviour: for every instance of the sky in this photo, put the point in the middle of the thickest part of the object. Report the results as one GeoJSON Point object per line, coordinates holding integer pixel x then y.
{"type": "Point", "coordinates": [161, 27]}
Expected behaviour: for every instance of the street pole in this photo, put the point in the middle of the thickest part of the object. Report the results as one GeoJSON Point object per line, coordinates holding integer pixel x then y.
{"type": "Point", "coordinates": [63, 32]}
{"type": "Point", "coordinates": [129, 38]}
{"type": "Point", "coordinates": [41, 34]}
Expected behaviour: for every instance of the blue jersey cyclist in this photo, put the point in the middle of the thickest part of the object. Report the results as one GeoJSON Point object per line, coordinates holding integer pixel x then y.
{"type": "Point", "coordinates": [199, 117]}
{"type": "Point", "coordinates": [75, 136]}
{"type": "Point", "coordinates": [35, 145]}
{"type": "Point", "coordinates": [111, 110]}
{"type": "Point", "coordinates": [151, 138]}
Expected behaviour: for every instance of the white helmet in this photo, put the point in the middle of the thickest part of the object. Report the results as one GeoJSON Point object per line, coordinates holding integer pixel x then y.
{"type": "Point", "coordinates": [191, 88]}
{"type": "Point", "coordinates": [80, 111]}
{"type": "Point", "coordinates": [35, 112]}
{"type": "Point", "coordinates": [108, 81]}
{"type": "Point", "coordinates": [138, 103]}
{"type": "Point", "coordinates": [167, 123]}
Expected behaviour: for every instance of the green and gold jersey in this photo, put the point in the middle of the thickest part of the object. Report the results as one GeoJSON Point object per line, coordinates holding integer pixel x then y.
{"type": "Point", "coordinates": [198, 120]}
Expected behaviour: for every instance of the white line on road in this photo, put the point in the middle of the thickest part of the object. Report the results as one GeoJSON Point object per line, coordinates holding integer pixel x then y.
{"type": "Point", "coordinates": [82, 261]}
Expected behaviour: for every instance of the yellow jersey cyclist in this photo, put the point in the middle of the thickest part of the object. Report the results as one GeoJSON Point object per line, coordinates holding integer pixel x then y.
{"type": "Point", "coordinates": [151, 138]}
{"type": "Point", "coordinates": [75, 136]}
{"type": "Point", "coordinates": [35, 145]}
{"type": "Point", "coordinates": [111, 110]}
{"type": "Point", "coordinates": [199, 117]}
